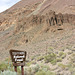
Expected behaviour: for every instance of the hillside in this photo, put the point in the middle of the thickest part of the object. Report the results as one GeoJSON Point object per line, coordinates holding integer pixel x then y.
{"type": "Point", "coordinates": [41, 27]}
{"type": "Point", "coordinates": [26, 20]}
{"type": "Point", "coordinates": [60, 6]}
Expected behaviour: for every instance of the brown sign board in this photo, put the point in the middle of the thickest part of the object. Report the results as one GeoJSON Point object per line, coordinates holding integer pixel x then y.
{"type": "Point", "coordinates": [18, 57]}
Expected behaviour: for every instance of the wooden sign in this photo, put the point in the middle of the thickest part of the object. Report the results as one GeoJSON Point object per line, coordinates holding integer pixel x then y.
{"type": "Point", "coordinates": [18, 59]}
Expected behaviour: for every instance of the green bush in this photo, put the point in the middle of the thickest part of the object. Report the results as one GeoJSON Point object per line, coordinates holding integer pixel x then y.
{"type": "Point", "coordinates": [50, 58]}
{"type": "Point", "coordinates": [3, 66]}
{"type": "Point", "coordinates": [40, 58]}
{"type": "Point", "coordinates": [50, 73]}
{"type": "Point", "coordinates": [59, 59]}
{"type": "Point", "coordinates": [8, 73]}
{"type": "Point", "coordinates": [54, 61]}
{"type": "Point", "coordinates": [35, 68]}
{"type": "Point", "coordinates": [62, 65]}
{"type": "Point", "coordinates": [41, 73]}
{"type": "Point", "coordinates": [51, 48]}
{"type": "Point", "coordinates": [7, 64]}
{"type": "Point", "coordinates": [45, 67]}
{"type": "Point", "coordinates": [62, 54]}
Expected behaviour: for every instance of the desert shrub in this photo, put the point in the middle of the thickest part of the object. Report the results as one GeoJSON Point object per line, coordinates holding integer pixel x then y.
{"type": "Point", "coordinates": [71, 67]}
{"type": "Point", "coordinates": [51, 48]}
{"type": "Point", "coordinates": [27, 70]}
{"type": "Point", "coordinates": [33, 57]}
{"type": "Point", "coordinates": [31, 69]}
{"type": "Point", "coordinates": [3, 66]}
{"type": "Point", "coordinates": [28, 63]}
{"type": "Point", "coordinates": [35, 68]}
{"type": "Point", "coordinates": [33, 62]}
{"type": "Point", "coordinates": [70, 52]}
{"type": "Point", "coordinates": [62, 54]}
{"type": "Point", "coordinates": [41, 73]}
{"type": "Point", "coordinates": [50, 73]}
{"type": "Point", "coordinates": [73, 73]}
{"type": "Point", "coordinates": [46, 67]}
{"type": "Point", "coordinates": [73, 54]}
{"type": "Point", "coordinates": [54, 61]}
{"type": "Point", "coordinates": [50, 58]}
{"type": "Point", "coordinates": [40, 58]}
{"type": "Point", "coordinates": [45, 73]}
{"type": "Point", "coordinates": [72, 59]}
{"type": "Point", "coordinates": [59, 59]}
{"type": "Point", "coordinates": [8, 73]}
{"type": "Point", "coordinates": [7, 64]}
{"type": "Point", "coordinates": [62, 65]}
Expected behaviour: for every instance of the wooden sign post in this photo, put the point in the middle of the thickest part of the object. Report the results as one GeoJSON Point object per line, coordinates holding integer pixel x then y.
{"type": "Point", "coordinates": [18, 59]}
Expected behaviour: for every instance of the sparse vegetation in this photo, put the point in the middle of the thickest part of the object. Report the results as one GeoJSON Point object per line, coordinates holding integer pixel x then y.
{"type": "Point", "coordinates": [47, 36]}
{"type": "Point", "coordinates": [28, 63]}
{"type": "Point", "coordinates": [34, 68]}
{"type": "Point", "coordinates": [62, 65]}
{"type": "Point", "coordinates": [41, 73]}
{"type": "Point", "coordinates": [59, 59]}
{"type": "Point", "coordinates": [45, 73]}
{"type": "Point", "coordinates": [40, 58]}
{"type": "Point", "coordinates": [8, 72]}
{"type": "Point", "coordinates": [50, 58]}
{"type": "Point", "coordinates": [7, 68]}
{"type": "Point", "coordinates": [62, 54]}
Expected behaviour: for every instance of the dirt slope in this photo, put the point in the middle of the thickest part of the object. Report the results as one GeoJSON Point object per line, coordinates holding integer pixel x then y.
{"type": "Point", "coordinates": [63, 6]}
{"type": "Point", "coordinates": [24, 3]}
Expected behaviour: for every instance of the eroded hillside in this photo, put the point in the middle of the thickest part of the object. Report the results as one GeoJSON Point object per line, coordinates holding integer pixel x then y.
{"type": "Point", "coordinates": [43, 28]}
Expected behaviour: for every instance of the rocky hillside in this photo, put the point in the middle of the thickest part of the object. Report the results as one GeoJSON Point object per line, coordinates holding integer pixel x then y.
{"type": "Point", "coordinates": [26, 20]}
{"type": "Point", "coordinates": [43, 6]}
{"type": "Point", "coordinates": [43, 28]}
{"type": "Point", "coordinates": [23, 24]}
{"type": "Point", "coordinates": [60, 6]}
{"type": "Point", "coordinates": [32, 7]}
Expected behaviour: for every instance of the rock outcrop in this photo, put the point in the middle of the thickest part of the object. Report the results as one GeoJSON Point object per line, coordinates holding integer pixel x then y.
{"type": "Point", "coordinates": [48, 19]}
